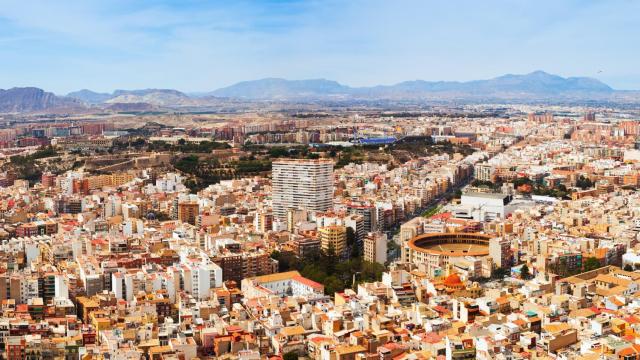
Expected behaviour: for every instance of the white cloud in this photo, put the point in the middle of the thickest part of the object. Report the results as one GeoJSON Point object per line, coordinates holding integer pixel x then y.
{"type": "Point", "coordinates": [65, 45]}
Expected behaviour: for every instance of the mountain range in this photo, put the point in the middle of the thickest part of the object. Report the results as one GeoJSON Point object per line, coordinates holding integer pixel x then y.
{"type": "Point", "coordinates": [535, 86]}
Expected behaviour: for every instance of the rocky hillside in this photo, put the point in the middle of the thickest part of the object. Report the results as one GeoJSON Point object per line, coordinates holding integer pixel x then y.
{"type": "Point", "coordinates": [30, 99]}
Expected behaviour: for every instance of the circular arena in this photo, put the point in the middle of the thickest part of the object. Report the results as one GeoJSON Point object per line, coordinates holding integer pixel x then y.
{"type": "Point", "coordinates": [451, 244]}
{"type": "Point", "coordinates": [434, 252]}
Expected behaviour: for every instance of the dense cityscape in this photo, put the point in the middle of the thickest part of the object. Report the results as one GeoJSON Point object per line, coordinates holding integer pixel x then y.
{"type": "Point", "coordinates": [319, 180]}
{"type": "Point", "coordinates": [483, 232]}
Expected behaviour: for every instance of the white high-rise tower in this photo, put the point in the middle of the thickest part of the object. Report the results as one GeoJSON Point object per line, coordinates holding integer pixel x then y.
{"type": "Point", "coordinates": [301, 184]}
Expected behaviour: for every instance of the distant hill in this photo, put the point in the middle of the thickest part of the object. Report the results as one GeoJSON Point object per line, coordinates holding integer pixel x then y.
{"type": "Point", "coordinates": [541, 82]}
{"type": "Point", "coordinates": [90, 97]}
{"type": "Point", "coordinates": [274, 88]}
{"type": "Point", "coordinates": [30, 99]}
{"type": "Point", "coordinates": [144, 92]}
{"type": "Point", "coordinates": [159, 97]}
{"type": "Point", "coordinates": [537, 84]}
{"type": "Point", "coordinates": [153, 97]}
{"type": "Point", "coordinates": [130, 107]}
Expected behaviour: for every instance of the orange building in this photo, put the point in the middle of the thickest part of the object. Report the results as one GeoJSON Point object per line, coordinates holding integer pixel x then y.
{"type": "Point", "coordinates": [188, 212]}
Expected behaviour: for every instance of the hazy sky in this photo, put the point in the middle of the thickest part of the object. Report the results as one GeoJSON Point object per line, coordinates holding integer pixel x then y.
{"type": "Point", "coordinates": [202, 45]}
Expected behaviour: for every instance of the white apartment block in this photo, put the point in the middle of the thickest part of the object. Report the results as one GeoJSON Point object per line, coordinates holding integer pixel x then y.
{"type": "Point", "coordinates": [375, 248]}
{"type": "Point", "coordinates": [200, 278]}
{"type": "Point", "coordinates": [301, 184]}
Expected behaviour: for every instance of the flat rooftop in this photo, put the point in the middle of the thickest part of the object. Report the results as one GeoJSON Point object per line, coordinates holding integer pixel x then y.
{"type": "Point", "coordinates": [486, 195]}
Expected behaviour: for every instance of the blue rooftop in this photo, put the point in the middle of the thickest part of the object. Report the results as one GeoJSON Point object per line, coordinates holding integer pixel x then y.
{"type": "Point", "coordinates": [379, 140]}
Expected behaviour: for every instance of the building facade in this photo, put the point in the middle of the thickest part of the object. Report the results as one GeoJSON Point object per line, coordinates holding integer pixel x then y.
{"type": "Point", "coordinates": [301, 184]}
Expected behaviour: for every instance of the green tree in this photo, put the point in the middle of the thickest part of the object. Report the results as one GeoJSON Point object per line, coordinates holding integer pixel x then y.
{"type": "Point", "coordinates": [286, 260]}
{"type": "Point", "coordinates": [431, 211]}
{"type": "Point", "coordinates": [352, 242]}
{"type": "Point", "coordinates": [193, 186]}
{"type": "Point", "coordinates": [591, 263]}
{"type": "Point", "coordinates": [292, 355]}
{"type": "Point", "coordinates": [278, 151]}
{"type": "Point", "coordinates": [314, 272]}
{"type": "Point", "coordinates": [332, 285]}
{"type": "Point", "coordinates": [44, 152]}
{"type": "Point", "coordinates": [584, 183]}
{"type": "Point", "coordinates": [356, 251]}
{"type": "Point", "coordinates": [457, 194]}
{"type": "Point", "coordinates": [499, 273]}
{"type": "Point", "coordinates": [188, 164]}
{"type": "Point", "coordinates": [162, 216]}
{"type": "Point", "coordinates": [329, 259]}
{"type": "Point", "coordinates": [525, 273]}
{"type": "Point", "coordinates": [522, 181]}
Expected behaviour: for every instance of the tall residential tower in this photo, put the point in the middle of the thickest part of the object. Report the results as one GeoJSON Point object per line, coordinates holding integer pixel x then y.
{"type": "Point", "coordinates": [301, 184]}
